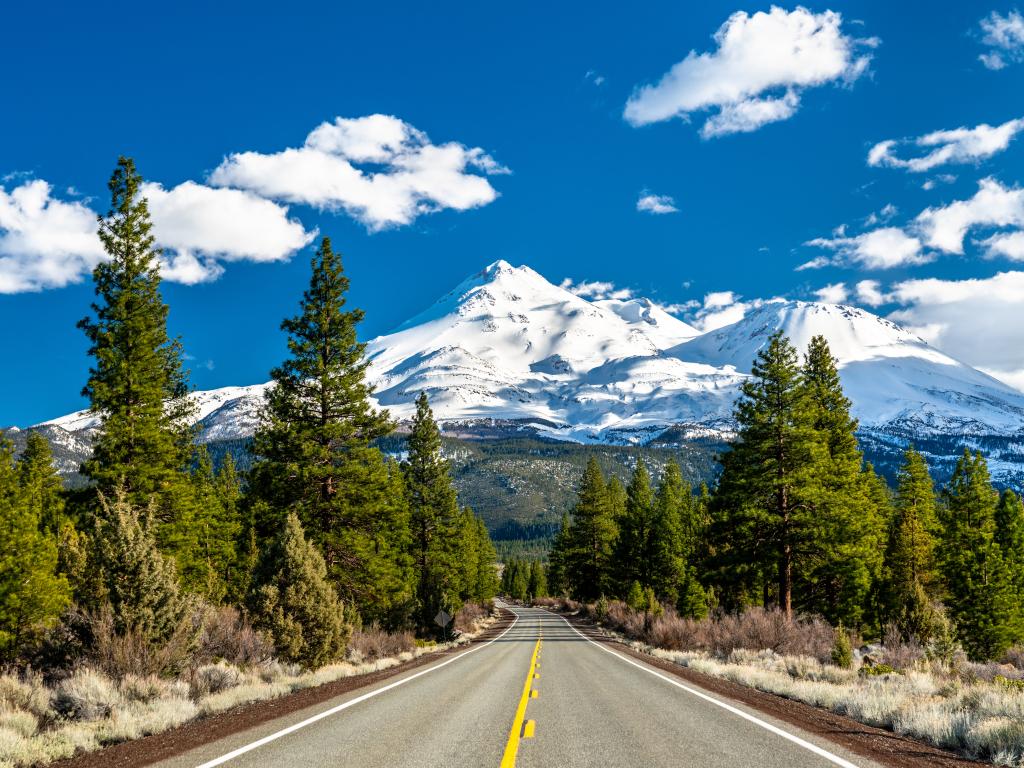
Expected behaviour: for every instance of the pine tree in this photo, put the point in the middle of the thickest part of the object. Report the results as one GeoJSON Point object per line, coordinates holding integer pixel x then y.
{"type": "Point", "coordinates": [486, 565]}
{"type": "Point", "coordinates": [314, 452]}
{"type": "Point", "coordinates": [558, 558]}
{"type": "Point", "coordinates": [850, 530]}
{"type": "Point", "coordinates": [980, 594]}
{"type": "Point", "coordinates": [519, 580]}
{"type": "Point", "coordinates": [1009, 536]}
{"type": "Point", "coordinates": [296, 604]}
{"type": "Point", "coordinates": [617, 497]}
{"type": "Point", "coordinates": [537, 584]}
{"type": "Point", "coordinates": [769, 485]}
{"type": "Point", "coordinates": [633, 551]}
{"type": "Point", "coordinates": [592, 533]}
{"type": "Point", "coordinates": [671, 549]}
{"type": "Point", "coordinates": [32, 594]}
{"type": "Point", "coordinates": [434, 517]}
{"type": "Point", "coordinates": [41, 486]}
{"type": "Point", "coordinates": [136, 383]}
{"type": "Point", "coordinates": [910, 581]}
{"type": "Point", "coordinates": [213, 529]}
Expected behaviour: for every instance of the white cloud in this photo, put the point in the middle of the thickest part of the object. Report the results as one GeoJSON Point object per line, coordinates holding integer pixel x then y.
{"type": "Point", "coordinates": [756, 75]}
{"type": "Point", "coordinates": [721, 308]}
{"type": "Point", "coordinates": [873, 219]}
{"type": "Point", "coordinates": [959, 145]}
{"type": "Point", "coordinates": [1004, 35]}
{"type": "Point", "coordinates": [941, 229]}
{"type": "Point", "coordinates": [993, 205]}
{"type": "Point", "coordinates": [44, 242]}
{"type": "Point", "coordinates": [596, 290]}
{"type": "Point", "coordinates": [48, 243]}
{"type": "Point", "coordinates": [942, 178]}
{"type": "Point", "coordinates": [657, 204]}
{"type": "Point", "coordinates": [869, 292]}
{"type": "Point", "coordinates": [407, 175]}
{"type": "Point", "coordinates": [834, 293]}
{"type": "Point", "coordinates": [202, 226]}
{"type": "Point", "coordinates": [976, 320]}
{"type": "Point", "coordinates": [883, 248]}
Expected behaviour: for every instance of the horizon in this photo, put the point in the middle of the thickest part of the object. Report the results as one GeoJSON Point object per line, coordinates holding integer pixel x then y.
{"type": "Point", "coordinates": [853, 186]}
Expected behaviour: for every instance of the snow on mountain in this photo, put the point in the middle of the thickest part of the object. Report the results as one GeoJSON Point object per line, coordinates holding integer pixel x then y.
{"type": "Point", "coordinates": [510, 349]}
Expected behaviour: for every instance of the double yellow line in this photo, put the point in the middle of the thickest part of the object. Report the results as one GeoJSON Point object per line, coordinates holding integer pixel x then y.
{"type": "Point", "coordinates": [519, 730]}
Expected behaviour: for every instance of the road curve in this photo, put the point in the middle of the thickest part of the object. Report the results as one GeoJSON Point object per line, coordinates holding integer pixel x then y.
{"type": "Point", "coordinates": [579, 703]}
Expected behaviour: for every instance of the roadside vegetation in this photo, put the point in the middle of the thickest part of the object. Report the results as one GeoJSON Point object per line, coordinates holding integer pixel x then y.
{"type": "Point", "coordinates": [170, 586]}
{"type": "Point", "coordinates": [801, 553]}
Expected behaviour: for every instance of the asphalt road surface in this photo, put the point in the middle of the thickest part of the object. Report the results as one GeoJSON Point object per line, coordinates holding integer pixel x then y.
{"type": "Point", "coordinates": [541, 694]}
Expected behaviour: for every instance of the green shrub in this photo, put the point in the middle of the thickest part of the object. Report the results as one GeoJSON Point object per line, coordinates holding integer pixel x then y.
{"type": "Point", "coordinates": [877, 670]}
{"type": "Point", "coordinates": [842, 650]}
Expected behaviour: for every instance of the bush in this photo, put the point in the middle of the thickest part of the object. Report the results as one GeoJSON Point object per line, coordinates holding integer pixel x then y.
{"type": "Point", "coordinates": [214, 678]}
{"type": "Point", "coordinates": [470, 615]}
{"type": "Point", "coordinates": [371, 643]}
{"type": "Point", "coordinates": [877, 670]}
{"type": "Point", "coordinates": [842, 649]}
{"type": "Point", "coordinates": [27, 692]}
{"type": "Point", "coordinates": [86, 695]}
{"type": "Point", "coordinates": [135, 652]}
{"type": "Point", "coordinates": [228, 636]}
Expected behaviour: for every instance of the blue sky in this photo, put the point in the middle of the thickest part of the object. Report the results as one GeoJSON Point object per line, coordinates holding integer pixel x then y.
{"type": "Point", "coordinates": [507, 136]}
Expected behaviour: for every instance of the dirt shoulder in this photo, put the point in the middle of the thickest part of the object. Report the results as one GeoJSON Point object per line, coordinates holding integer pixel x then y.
{"type": "Point", "coordinates": [876, 744]}
{"type": "Point", "coordinates": [161, 746]}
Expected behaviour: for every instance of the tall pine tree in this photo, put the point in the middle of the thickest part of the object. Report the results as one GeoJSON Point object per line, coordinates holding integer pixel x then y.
{"type": "Point", "coordinates": [588, 561]}
{"type": "Point", "coordinates": [315, 454]}
{"type": "Point", "coordinates": [136, 383]}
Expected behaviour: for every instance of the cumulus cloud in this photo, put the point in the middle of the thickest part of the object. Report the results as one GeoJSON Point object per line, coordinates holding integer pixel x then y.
{"type": "Point", "coordinates": [939, 229]}
{"type": "Point", "coordinates": [959, 145]}
{"type": "Point", "coordinates": [44, 242]}
{"type": "Point", "coordinates": [721, 308]}
{"type": "Point", "coordinates": [200, 227]}
{"type": "Point", "coordinates": [869, 292]}
{"type": "Point", "coordinates": [762, 65]}
{"type": "Point", "coordinates": [378, 169]}
{"type": "Point", "coordinates": [882, 248]}
{"type": "Point", "coordinates": [596, 290]}
{"type": "Point", "coordinates": [833, 293]}
{"type": "Point", "coordinates": [975, 320]}
{"type": "Point", "coordinates": [1004, 37]}
{"type": "Point", "coordinates": [656, 204]}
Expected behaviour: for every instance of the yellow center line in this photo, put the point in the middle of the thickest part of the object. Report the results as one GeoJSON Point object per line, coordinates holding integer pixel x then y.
{"type": "Point", "coordinates": [508, 760]}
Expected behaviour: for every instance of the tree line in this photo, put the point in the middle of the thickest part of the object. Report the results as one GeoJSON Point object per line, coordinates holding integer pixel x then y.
{"type": "Point", "coordinates": [799, 520]}
{"type": "Point", "coordinates": [324, 533]}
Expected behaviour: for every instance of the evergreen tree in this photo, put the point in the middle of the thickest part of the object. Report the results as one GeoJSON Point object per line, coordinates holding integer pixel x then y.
{"type": "Point", "coordinates": [138, 583]}
{"type": "Point", "coordinates": [32, 594]}
{"type": "Point", "coordinates": [980, 597]}
{"type": "Point", "coordinates": [671, 548]}
{"type": "Point", "coordinates": [588, 560]}
{"type": "Point", "coordinates": [214, 528]}
{"type": "Point", "coordinates": [434, 516]}
{"type": "Point", "coordinates": [769, 487]}
{"type": "Point", "coordinates": [486, 565]}
{"type": "Point", "coordinates": [314, 452]}
{"type": "Point", "coordinates": [40, 485]}
{"type": "Point", "coordinates": [634, 549]}
{"type": "Point", "coordinates": [296, 604]}
{"type": "Point", "coordinates": [558, 558]}
{"type": "Point", "coordinates": [1009, 535]}
{"type": "Point", "coordinates": [850, 532]}
{"type": "Point", "coordinates": [136, 383]}
{"type": "Point", "coordinates": [910, 581]}
{"type": "Point", "coordinates": [617, 497]}
{"type": "Point", "coordinates": [519, 580]}
{"type": "Point", "coordinates": [537, 584]}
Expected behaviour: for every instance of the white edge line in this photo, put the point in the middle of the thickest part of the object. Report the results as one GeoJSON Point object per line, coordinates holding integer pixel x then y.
{"type": "Point", "coordinates": [728, 707]}
{"type": "Point", "coordinates": [350, 703]}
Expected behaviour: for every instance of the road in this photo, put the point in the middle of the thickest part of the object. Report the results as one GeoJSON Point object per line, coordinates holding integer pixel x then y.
{"type": "Point", "coordinates": [592, 706]}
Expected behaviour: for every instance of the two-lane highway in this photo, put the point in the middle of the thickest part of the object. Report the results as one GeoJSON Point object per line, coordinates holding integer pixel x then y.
{"type": "Point", "coordinates": [540, 694]}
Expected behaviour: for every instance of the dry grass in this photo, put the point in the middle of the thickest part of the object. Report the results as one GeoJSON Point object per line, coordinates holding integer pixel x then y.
{"type": "Point", "coordinates": [90, 708]}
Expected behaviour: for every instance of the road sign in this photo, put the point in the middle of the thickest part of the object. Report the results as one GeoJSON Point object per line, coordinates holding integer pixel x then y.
{"type": "Point", "coordinates": [442, 618]}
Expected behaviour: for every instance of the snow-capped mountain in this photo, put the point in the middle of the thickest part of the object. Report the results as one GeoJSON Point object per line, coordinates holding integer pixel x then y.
{"type": "Point", "coordinates": [508, 350]}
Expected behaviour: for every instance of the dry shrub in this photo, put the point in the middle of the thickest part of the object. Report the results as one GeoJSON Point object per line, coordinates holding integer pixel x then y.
{"type": "Point", "coordinates": [214, 678]}
{"type": "Point", "coordinates": [675, 633]}
{"type": "Point", "coordinates": [27, 692]}
{"type": "Point", "coordinates": [142, 689]}
{"type": "Point", "coordinates": [371, 643]}
{"type": "Point", "coordinates": [87, 695]}
{"type": "Point", "coordinates": [1014, 656]}
{"type": "Point", "coordinates": [227, 635]}
{"type": "Point", "coordinates": [131, 653]}
{"type": "Point", "coordinates": [900, 653]}
{"type": "Point", "coordinates": [470, 615]}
